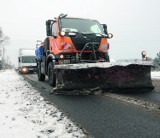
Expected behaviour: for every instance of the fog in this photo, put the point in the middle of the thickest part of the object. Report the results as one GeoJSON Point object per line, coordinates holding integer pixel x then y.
{"type": "Point", "coordinates": [134, 24]}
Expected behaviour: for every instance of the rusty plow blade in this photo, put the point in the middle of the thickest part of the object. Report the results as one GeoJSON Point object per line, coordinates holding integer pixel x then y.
{"type": "Point", "coordinates": [106, 76]}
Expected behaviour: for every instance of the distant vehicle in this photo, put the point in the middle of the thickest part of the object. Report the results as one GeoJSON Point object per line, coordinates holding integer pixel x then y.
{"type": "Point", "coordinates": [27, 61]}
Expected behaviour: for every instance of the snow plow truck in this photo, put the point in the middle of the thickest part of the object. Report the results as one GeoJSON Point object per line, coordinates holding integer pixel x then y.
{"type": "Point", "coordinates": [74, 56]}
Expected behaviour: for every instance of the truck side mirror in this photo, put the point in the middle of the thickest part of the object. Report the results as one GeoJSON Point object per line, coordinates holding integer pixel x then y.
{"type": "Point", "coordinates": [48, 27]}
{"type": "Point", "coordinates": [109, 35]}
{"type": "Point", "coordinates": [18, 59]}
{"type": "Point", "coordinates": [48, 30]}
{"type": "Point", "coordinates": [105, 28]}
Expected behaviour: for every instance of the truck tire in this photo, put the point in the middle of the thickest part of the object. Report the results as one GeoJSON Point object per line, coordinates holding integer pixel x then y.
{"type": "Point", "coordinates": [20, 72]}
{"type": "Point", "coordinates": [51, 74]}
{"type": "Point", "coordinates": [106, 57]}
{"type": "Point", "coordinates": [41, 76]}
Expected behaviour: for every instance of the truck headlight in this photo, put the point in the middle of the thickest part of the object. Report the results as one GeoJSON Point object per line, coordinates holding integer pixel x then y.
{"type": "Point", "coordinates": [61, 56]}
{"type": "Point", "coordinates": [24, 69]}
{"type": "Point", "coordinates": [110, 35]}
{"type": "Point", "coordinates": [63, 33]}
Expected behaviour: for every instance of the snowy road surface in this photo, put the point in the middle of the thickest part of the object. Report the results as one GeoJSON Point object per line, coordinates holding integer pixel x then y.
{"type": "Point", "coordinates": [102, 116]}
{"type": "Point", "coordinates": [26, 114]}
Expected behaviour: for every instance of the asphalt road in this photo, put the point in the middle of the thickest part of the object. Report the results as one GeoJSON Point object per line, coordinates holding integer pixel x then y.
{"type": "Point", "coordinates": [104, 117]}
{"type": "Point", "coordinates": [149, 96]}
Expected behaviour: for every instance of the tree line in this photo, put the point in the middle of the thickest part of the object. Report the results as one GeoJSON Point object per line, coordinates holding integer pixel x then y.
{"type": "Point", "coordinates": [4, 62]}
{"type": "Point", "coordinates": [3, 38]}
{"type": "Point", "coordinates": [156, 61]}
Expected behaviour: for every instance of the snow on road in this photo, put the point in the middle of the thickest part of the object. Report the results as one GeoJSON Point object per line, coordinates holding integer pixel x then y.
{"type": "Point", "coordinates": [155, 75]}
{"type": "Point", "coordinates": [25, 114]}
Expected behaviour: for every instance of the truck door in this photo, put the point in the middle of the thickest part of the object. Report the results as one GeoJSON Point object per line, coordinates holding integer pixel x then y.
{"type": "Point", "coordinates": [55, 39]}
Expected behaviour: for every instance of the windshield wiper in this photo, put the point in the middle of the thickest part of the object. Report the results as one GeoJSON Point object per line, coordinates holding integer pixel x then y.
{"type": "Point", "coordinates": [87, 33]}
{"type": "Point", "coordinates": [97, 34]}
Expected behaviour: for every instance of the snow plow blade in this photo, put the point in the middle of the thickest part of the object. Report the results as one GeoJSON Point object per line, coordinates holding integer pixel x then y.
{"type": "Point", "coordinates": [106, 76]}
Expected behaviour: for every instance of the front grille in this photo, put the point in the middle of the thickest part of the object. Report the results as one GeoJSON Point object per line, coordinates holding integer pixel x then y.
{"type": "Point", "coordinates": [80, 40]}
{"type": "Point", "coordinates": [31, 67]}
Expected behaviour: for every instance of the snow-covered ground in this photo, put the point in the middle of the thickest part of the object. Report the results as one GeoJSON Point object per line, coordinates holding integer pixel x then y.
{"type": "Point", "coordinates": [155, 75]}
{"type": "Point", "coordinates": [25, 114]}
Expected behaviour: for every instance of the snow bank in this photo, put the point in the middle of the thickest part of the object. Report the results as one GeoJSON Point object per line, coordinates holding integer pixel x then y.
{"type": "Point", "coordinates": [102, 65]}
{"type": "Point", "coordinates": [25, 114]}
{"type": "Point", "coordinates": [155, 75]}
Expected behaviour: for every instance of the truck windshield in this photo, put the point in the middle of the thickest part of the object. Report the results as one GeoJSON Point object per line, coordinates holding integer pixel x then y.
{"type": "Point", "coordinates": [28, 59]}
{"type": "Point", "coordinates": [80, 25]}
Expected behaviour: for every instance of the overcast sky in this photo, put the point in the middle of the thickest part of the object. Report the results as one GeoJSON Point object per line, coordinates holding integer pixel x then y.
{"type": "Point", "coordinates": [134, 23]}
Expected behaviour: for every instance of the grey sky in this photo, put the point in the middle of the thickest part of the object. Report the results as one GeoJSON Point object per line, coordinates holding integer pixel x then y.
{"type": "Point", "coordinates": [134, 23]}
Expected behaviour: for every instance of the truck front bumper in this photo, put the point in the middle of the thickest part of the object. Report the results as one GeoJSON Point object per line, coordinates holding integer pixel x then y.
{"type": "Point", "coordinates": [29, 69]}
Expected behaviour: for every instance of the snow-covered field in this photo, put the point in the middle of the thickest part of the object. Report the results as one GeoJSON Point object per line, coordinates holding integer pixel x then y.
{"type": "Point", "coordinates": [155, 75]}
{"type": "Point", "coordinates": [25, 114]}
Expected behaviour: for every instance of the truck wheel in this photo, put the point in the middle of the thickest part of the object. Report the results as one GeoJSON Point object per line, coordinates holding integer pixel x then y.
{"type": "Point", "coordinates": [19, 72]}
{"type": "Point", "coordinates": [106, 57]}
{"type": "Point", "coordinates": [41, 76]}
{"type": "Point", "coordinates": [51, 74]}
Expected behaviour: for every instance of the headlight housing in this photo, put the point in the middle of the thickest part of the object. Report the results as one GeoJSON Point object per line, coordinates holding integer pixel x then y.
{"type": "Point", "coordinates": [24, 69]}
{"type": "Point", "coordinates": [62, 33]}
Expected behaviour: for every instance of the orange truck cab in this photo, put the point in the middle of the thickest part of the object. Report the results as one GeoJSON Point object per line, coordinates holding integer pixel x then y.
{"type": "Point", "coordinates": [72, 41]}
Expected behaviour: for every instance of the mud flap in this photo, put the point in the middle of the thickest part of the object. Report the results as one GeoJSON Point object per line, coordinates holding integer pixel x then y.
{"type": "Point", "coordinates": [105, 77]}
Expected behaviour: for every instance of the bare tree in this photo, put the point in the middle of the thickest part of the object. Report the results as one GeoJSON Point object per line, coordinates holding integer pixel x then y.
{"type": "Point", "coordinates": [157, 61]}
{"type": "Point", "coordinates": [3, 39]}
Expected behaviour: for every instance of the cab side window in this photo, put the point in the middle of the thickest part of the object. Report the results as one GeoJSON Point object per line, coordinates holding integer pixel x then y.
{"type": "Point", "coordinates": [54, 30]}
